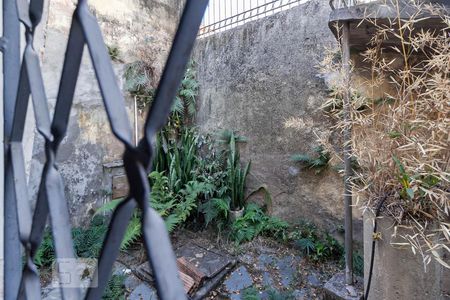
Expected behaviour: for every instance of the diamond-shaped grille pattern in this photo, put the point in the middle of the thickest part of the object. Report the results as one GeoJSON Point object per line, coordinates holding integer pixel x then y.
{"type": "Point", "coordinates": [26, 225]}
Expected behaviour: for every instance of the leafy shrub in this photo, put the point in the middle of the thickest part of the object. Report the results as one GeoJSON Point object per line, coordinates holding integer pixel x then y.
{"type": "Point", "coordinates": [174, 206]}
{"type": "Point", "coordinates": [115, 288]}
{"type": "Point", "coordinates": [184, 107]}
{"type": "Point", "coordinates": [138, 82]}
{"type": "Point", "coordinates": [45, 255]}
{"type": "Point", "coordinates": [255, 222]}
{"type": "Point", "coordinates": [88, 242]}
{"type": "Point", "coordinates": [319, 162]}
{"type": "Point", "coordinates": [215, 209]}
{"type": "Point", "coordinates": [178, 158]}
{"type": "Point", "coordinates": [316, 245]}
{"type": "Point", "coordinates": [358, 263]}
{"type": "Point", "coordinates": [235, 174]}
{"type": "Point", "coordinates": [250, 293]}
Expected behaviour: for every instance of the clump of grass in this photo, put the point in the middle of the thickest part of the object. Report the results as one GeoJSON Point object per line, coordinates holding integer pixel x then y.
{"type": "Point", "coordinates": [401, 140]}
{"type": "Point", "coordinates": [314, 244]}
{"type": "Point", "coordinates": [114, 53]}
{"type": "Point", "coordinates": [318, 162]}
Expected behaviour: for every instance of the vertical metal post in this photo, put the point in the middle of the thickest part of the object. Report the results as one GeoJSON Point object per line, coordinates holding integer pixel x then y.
{"type": "Point", "coordinates": [347, 156]}
{"type": "Point", "coordinates": [136, 132]}
{"type": "Point", "coordinates": [11, 66]}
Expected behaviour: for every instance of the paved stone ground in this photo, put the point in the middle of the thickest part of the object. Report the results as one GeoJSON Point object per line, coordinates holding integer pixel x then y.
{"type": "Point", "coordinates": [272, 270]}
{"type": "Point", "coordinates": [273, 275]}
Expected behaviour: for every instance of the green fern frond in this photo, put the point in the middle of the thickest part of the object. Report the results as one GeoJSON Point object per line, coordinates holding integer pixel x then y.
{"type": "Point", "coordinates": [171, 222]}
{"type": "Point", "coordinates": [108, 206]}
{"type": "Point", "coordinates": [115, 288]}
{"type": "Point", "coordinates": [133, 232]}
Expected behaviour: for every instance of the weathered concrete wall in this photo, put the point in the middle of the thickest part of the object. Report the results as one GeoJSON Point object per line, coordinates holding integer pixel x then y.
{"type": "Point", "coordinates": [136, 28]}
{"type": "Point", "coordinates": [398, 273]}
{"type": "Point", "coordinates": [255, 77]}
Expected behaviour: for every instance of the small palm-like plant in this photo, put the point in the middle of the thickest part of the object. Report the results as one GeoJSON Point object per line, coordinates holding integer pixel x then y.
{"type": "Point", "coordinates": [318, 162]}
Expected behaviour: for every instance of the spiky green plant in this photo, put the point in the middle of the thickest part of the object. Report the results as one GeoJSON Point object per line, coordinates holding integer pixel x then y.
{"type": "Point", "coordinates": [318, 162]}
{"type": "Point", "coordinates": [236, 175]}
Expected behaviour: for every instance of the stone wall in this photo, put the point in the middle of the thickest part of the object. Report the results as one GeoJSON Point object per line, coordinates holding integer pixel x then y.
{"type": "Point", "coordinates": [136, 28]}
{"type": "Point", "coordinates": [253, 79]}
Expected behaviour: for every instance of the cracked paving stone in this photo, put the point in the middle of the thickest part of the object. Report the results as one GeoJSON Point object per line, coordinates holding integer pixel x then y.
{"type": "Point", "coordinates": [263, 261]}
{"type": "Point", "coordinates": [299, 294]}
{"type": "Point", "coordinates": [287, 268]}
{"type": "Point", "coordinates": [313, 280]}
{"type": "Point", "coordinates": [131, 282]}
{"type": "Point", "coordinates": [267, 279]}
{"type": "Point", "coordinates": [143, 292]}
{"type": "Point", "coordinates": [238, 280]}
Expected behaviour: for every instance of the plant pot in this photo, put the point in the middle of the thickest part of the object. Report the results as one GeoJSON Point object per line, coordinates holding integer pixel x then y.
{"type": "Point", "coordinates": [235, 214]}
{"type": "Point", "coordinates": [398, 273]}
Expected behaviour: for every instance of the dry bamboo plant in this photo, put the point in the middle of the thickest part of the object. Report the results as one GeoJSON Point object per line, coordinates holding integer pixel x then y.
{"type": "Point", "coordinates": [401, 140]}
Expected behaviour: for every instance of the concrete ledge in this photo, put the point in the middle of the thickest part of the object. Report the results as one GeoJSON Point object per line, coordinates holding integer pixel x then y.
{"type": "Point", "coordinates": [361, 30]}
{"type": "Point", "coordinates": [336, 289]}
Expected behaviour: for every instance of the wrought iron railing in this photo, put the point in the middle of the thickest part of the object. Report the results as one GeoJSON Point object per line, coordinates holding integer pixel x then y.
{"type": "Point", "coordinates": [336, 4]}
{"type": "Point", "coordinates": [24, 226]}
{"type": "Point", "coordinates": [222, 15]}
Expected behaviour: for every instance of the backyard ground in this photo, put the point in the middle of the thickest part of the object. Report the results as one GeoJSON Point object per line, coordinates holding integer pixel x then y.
{"type": "Point", "coordinates": [264, 269]}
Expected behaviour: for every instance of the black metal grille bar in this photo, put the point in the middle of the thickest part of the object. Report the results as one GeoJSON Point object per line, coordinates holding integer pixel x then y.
{"type": "Point", "coordinates": [11, 70]}
{"type": "Point", "coordinates": [51, 199]}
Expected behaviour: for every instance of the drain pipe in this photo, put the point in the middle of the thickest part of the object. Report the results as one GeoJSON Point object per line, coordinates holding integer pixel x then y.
{"type": "Point", "coordinates": [347, 135]}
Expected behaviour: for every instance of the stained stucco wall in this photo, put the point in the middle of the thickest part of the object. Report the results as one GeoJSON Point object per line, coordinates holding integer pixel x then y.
{"type": "Point", "coordinates": [136, 28]}
{"type": "Point", "coordinates": [255, 77]}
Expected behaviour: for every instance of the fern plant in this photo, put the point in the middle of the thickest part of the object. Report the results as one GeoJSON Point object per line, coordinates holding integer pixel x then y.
{"type": "Point", "coordinates": [250, 293]}
{"type": "Point", "coordinates": [318, 162]}
{"type": "Point", "coordinates": [88, 242]}
{"type": "Point", "coordinates": [174, 206]}
{"type": "Point", "coordinates": [316, 245]}
{"type": "Point", "coordinates": [45, 255]}
{"type": "Point", "coordinates": [115, 288]}
{"type": "Point", "coordinates": [184, 106]}
{"type": "Point", "coordinates": [138, 82]}
{"type": "Point", "coordinates": [256, 222]}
